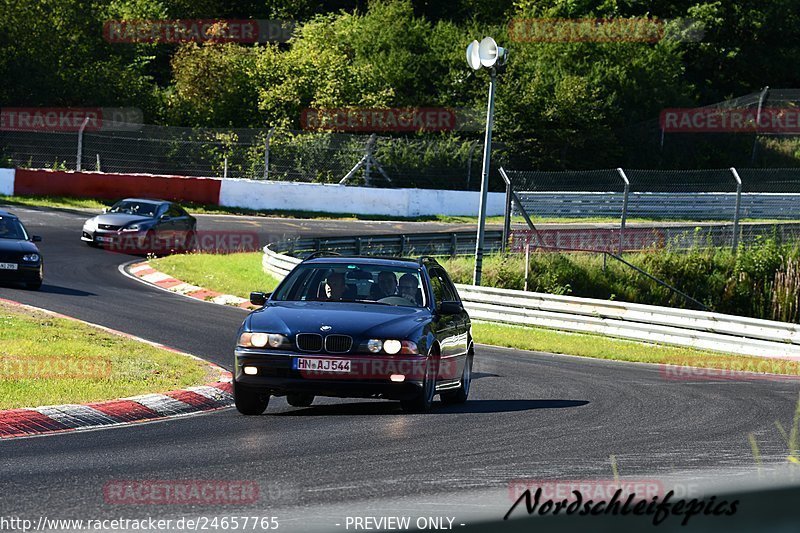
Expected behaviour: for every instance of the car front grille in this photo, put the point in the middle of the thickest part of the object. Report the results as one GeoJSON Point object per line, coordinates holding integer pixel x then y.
{"type": "Point", "coordinates": [10, 257]}
{"type": "Point", "coordinates": [309, 342]}
{"type": "Point", "coordinates": [338, 343]}
{"type": "Point", "coordinates": [108, 227]}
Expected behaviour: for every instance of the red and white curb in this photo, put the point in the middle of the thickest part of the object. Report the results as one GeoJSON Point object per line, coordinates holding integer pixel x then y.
{"type": "Point", "coordinates": [32, 421]}
{"type": "Point", "coordinates": [144, 272]}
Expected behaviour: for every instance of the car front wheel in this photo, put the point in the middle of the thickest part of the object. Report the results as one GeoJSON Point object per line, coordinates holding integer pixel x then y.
{"type": "Point", "coordinates": [460, 394]}
{"type": "Point", "coordinates": [248, 402]}
{"type": "Point", "coordinates": [423, 401]}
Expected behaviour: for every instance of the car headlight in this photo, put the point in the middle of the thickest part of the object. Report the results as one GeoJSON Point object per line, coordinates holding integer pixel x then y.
{"type": "Point", "coordinates": [134, 227]}
{"type": "Point", "coordinates": [391, 346]}
{"type": "Point", "coordinates": [90, 225]}
{"type": "Point", "coordinates": [262, 340]}
{"type": "Point", "coordinates": [31, 258]}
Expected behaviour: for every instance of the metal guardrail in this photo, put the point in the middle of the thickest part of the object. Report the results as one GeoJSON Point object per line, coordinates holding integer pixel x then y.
{"type": "Point", "coordinates": [648, 323]}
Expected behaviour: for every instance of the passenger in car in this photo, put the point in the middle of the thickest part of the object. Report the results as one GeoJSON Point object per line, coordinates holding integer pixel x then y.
{"type": "Point", "coordinates": [386, 286]}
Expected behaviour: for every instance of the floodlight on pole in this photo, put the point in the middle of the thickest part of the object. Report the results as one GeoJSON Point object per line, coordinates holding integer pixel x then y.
{"type": "Point", "coordinates": [485, 54]}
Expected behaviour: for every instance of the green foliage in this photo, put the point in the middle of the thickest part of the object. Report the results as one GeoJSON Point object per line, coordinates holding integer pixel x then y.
{"type": "Point", "coordinates": [761, 280]}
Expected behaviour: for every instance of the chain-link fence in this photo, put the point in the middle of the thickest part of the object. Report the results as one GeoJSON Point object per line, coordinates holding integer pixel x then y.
{"type": "Point", "coordinates": [425, 162]}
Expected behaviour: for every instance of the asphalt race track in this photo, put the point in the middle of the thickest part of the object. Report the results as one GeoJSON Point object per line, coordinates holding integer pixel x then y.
{"type": "Point", "coordinates": [530, 415]}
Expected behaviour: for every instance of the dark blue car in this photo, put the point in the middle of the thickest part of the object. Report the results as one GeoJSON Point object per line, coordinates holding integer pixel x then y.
{"type": "Point", "coordinates": [356, 327]}
{"type": "Point", "coordinates": [20, 259]}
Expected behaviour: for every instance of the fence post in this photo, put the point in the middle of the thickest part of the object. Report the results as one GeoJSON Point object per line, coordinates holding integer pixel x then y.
{"type": "Point", "coordinates": [225, 169]}
{"type": "Point", "coordinates": [79, 155]}
{"type": "Point", "coordinates": [97, 165]}
{"type": "Point", "coordinates": [266, 152]}
{"type": "Point", "coordinates": [469, 162]}
{"type": "Point", "coordinates": [624, 217]}
{"type": "Point", "coordinates": [738, 208]}
{"type": "Point", "coordinates": [527, 262]}
{"type": "Point", "coordinates": [506, 219]}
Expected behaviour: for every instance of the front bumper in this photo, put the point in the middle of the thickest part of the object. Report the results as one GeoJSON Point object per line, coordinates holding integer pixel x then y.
{"type": "Point", "coordinates": [369, 376]}
{"type": "Point", "coordinates": [26, 272]}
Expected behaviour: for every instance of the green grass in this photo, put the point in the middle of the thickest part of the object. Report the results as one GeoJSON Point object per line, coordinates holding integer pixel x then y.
{"type": "Point", "coordinates": [601, 347]}
{"type": "Point", "coordinates": [45, 360]}
{"type": "Point", "coordinates": [237, 274]}
{"type": "Point", "coordinates": [241, 273]}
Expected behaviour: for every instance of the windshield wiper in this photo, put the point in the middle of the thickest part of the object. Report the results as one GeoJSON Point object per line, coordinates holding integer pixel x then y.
{"type": "Point", "coordinates": [369, 302]}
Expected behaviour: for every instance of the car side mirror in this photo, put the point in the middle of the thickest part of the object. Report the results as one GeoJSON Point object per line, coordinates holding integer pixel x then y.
{"type": "Point", "coordinates": [259, 298]}
{"type": "Point", "coordinates": [36, 238]}
{"type": "Point", "coordinates": [450, 308]}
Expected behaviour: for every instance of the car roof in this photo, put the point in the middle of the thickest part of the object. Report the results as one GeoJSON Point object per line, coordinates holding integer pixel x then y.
{"type": "Point", "coordinates": [403, 262]}
{"type": "Point", "coordinates": [7, 214]}
{"type": "Point", "coordinates": [145, 200]}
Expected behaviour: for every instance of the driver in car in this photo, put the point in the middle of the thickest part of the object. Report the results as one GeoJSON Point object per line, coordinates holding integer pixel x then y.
{"type": "Point", "coordinates": [334, 287]}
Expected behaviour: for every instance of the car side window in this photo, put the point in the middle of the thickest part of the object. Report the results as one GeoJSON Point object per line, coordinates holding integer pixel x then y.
{"type": "Point", "coordinates": [174, 212]}
{"type": "Point", "coordinates": [449, 287]}
{"type": "Point", "coordinates": [443, 292]}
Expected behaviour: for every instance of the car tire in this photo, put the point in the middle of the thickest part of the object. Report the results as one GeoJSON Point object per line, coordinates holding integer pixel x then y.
{"type": "Point", "coordinates": [460, 394]}
{"type": "Point", "coordinates": [34, 285]}
{"type": "Point", "coordinates": [300, 400]}
{"type": "Point", "coordinates": [250, 403]}
{"type": "Point", "coordinates": [423, 401]}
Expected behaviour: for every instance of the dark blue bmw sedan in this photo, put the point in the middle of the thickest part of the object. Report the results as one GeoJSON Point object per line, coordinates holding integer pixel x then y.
{"type": "Point", "coordinates": [361, 327]}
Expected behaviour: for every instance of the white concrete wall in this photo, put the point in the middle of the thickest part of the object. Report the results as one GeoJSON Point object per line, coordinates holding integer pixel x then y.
{"type": "Point", "coordinates": [7, 181]}
{"type": "Point", "coordinates": [279, 195]}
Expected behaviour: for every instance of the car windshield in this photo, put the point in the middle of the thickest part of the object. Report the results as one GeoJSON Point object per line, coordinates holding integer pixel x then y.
{"type": "Point", "coordinates": [145, 209]}
{"type": "Point", "coordinates": [353, 282]}
{"type": "Point", "coordinates": [10, 228]}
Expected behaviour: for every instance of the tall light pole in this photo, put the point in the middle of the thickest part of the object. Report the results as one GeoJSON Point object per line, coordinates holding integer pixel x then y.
{"type": "Point", "coordinates": [485, 54]}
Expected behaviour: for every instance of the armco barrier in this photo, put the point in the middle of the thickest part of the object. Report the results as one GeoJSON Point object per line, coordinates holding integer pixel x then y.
{"type": "Point", "coordinates": [648, 323]}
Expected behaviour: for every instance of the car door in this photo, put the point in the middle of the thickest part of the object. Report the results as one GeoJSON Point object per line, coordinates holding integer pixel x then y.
{"type": "Point", "coordinates": [446, 328]}
{"type": "Point", "coordinates": [182, 225]}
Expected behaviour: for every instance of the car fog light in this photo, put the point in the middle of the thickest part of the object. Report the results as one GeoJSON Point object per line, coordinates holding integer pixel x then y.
{"type": "Point", "coordinates": [374, 345]}
{"type": "Point", "coordinates": [392, 346]}
{"type": "Point", "coordinates": [397, 378]}
{"type": "Point", "coordinates": [250, 370]}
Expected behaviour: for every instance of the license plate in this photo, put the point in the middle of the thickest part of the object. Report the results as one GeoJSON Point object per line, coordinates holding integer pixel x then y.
{"type": "Point", "coordinates": [321, 365]}
{"type": "Point", "coordinates": [104, 239]}
{"type": "Point", "coordinates": [11, 266]}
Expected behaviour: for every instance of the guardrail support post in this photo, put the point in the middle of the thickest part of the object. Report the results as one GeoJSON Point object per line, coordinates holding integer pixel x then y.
{"type": "Point", "coordinates": [453, 244]}
{"type": "Point", "coordinates": [737, 210]}
{"type": "Point", "coordinates": [79, 155]}
{"type": "Point", "coordinates": [402, 245]}
{"type": "Point", "coordinates": [624, 217]}
{"type": "Point", "coordinates": [358, 245]}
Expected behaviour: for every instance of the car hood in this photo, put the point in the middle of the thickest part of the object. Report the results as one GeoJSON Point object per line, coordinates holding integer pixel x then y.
{"type": "Point", "coordinates": [119, 219]}
{"type": "Point", "coordinates": [355, 319]}
{"type": "Point", "coordinates": [13, 245]}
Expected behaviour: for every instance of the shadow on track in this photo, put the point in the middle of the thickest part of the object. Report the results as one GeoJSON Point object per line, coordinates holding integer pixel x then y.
{"type": "Point", "coordinates": [65, 291]}
{"type": "Point", "coordinates": [392, 408]}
